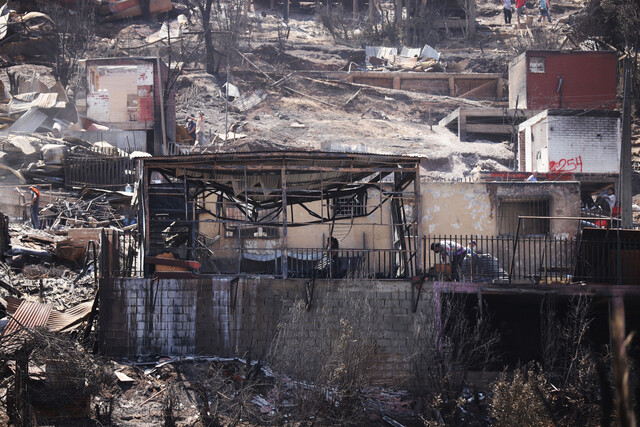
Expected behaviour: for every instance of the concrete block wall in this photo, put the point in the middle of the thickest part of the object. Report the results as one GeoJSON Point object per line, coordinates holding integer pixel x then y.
{"type": "Point", "coordinates": [212, 316]}
{"type": "Point", "coordinates": [591, 142]}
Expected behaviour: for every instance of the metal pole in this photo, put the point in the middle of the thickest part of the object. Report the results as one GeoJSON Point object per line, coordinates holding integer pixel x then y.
{"type": "Point", "coordinates": [515, 246]}
{"type": "Point", "coordinates": [226, 104]}
{"type": "Point", "coordinates": [284, 221]}
{"type": "Point", "coordinates": [625, 154]}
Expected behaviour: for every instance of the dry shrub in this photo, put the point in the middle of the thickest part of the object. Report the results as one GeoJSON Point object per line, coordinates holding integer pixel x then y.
{"type": "Point", "coordinates": [448, 344]}
{"type": "Point", "coordinates": [521, 399]}
{"type": "Point", "coordinates": [223, 390]}
{"type": "Point", "coordinates": [338, 22]}
{"type": "Point", "coordinates": [334, 349]}
{"type": "Point", "coordinates": [569, 362]}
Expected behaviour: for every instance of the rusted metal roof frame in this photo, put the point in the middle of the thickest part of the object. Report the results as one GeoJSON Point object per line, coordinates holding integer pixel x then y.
{"type": "Point", "coordinates": [278, 159]}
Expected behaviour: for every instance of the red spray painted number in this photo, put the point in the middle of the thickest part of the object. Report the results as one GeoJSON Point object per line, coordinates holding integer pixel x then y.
{"type": "Point", "coordinates": [566, 165]}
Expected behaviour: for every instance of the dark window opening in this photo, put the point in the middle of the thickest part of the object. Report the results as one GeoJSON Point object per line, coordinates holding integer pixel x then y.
{"type": "Point", "coordinates": [509, 210]}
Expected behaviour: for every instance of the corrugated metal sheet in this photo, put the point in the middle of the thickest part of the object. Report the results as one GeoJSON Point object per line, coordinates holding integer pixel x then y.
{"type": "Point", "coordinates": [248, 101]}
{"type": "Point", "coordinates": [29, 121]}
{"type": "Point", "coordinates": [410, 52]}
{"type": "Point", "coordinates": [29, 315]}
{"type": "Point", "coordinates": [381, 52]}
{"type": "Point", "coordinates": [45, 100]}
{"type": "Point", "coordinates": [27, 101]}
{"type": "Point", "coordinates": [22, 143]}
{"type": "Point", "coordinates": [59, 321]}
{"type": "Point", "coordinates": [12, 304]}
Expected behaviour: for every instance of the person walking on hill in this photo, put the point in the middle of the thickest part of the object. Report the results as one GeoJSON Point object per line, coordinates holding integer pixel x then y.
{"type": "Point", "coordinates": [507, 11]}
{"type": "Point", "coordinates": [520, 9]}
{"type": "Point", "coordinates": [544, 10]}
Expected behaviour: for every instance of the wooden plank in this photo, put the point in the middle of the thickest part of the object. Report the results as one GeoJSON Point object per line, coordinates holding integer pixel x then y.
{"type": "Point", "coordinates": [462, 126]}
{"type": "Point", "coordinates": [408, 75]}
{"type": "Point", "coordinates": [451, 118]}
{"type": "Point", "coordinates": [489, 128]}
{"type": "Point", "coordinates": [476, 90]}
{"type": "Point", "coordinates": [172, 262]}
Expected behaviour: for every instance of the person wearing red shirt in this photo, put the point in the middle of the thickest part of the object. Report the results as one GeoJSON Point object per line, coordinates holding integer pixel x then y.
{"type": "Point", "coordinates": [520, 9]}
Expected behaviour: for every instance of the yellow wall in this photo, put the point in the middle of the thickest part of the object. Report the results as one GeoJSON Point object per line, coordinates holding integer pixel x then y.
{"type": "Point", "coordinates": [469, 208]}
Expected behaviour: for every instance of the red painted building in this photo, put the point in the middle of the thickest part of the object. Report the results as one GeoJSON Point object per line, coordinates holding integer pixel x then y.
{"type": "Point", "coordinates": [542, 79]}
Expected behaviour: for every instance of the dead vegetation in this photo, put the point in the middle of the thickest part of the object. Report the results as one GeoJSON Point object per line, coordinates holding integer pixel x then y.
{"type": "Point", "coordinates": [325, 359]}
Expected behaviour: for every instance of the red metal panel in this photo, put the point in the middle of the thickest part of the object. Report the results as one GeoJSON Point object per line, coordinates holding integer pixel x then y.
{"type": "Point", "coordinates": [145, 103]}
{"type": "Point", "coordinates": [588, 81]}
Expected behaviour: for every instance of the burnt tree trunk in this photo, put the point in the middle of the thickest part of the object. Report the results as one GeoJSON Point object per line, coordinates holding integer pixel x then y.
{"type": "Point", "coordinates": [205, 11]}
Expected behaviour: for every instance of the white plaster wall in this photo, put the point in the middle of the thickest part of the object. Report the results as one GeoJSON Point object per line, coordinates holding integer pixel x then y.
{"type": "Point", "coordinates": [540, 148]}
{"type": "Point", "coordinates": [456, 208]}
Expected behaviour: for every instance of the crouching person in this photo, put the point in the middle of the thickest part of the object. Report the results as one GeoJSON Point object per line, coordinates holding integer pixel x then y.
{"type": "Point", "coordinates": [454, 253]}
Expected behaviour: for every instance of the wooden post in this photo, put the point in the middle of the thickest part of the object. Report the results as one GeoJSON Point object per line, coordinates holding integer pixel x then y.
{"type": "Point", "coordinates": [145, 215]}
{"type": "Point", "coordinates": [355, 8]}
{"type": "Point", "coordinates": [462, 125]}
{"type": "Point", "coordinates": [452, 86]}
{"type": "Point", "coordinates": [397, 82]}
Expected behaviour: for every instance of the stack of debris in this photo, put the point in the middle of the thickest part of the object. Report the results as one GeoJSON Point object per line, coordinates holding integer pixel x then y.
{"type": "Point", "coordinates": [110, 10]}
{"type": "Point", "coordinates": [380, 58]}
{"type": "Point", "coordinates": [22, 35]}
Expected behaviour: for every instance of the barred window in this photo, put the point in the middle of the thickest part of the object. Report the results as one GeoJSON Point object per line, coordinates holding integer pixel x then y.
{"type": "Point", "coordinates": [348, 206]}
{"type": "Point", "coordinates": [510, 209]}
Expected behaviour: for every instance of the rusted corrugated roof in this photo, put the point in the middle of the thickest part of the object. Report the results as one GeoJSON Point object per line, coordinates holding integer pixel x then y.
{"type": "Point", "coordinates": [34, 314]}
{"type": "Point", "coordinates": [59, 321]}
{"type": "Point", "coordinates": [12, 304]}
{"type": "Point", "coordinates": [29, 315]}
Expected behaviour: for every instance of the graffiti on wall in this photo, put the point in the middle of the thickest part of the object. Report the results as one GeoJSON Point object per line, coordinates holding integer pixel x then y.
{"type": "Point", "coordinates": [566, 165]}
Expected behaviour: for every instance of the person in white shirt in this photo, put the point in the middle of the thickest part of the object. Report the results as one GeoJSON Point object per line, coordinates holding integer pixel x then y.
{"type": "Point", "coordinates": [533, 177]}
{"type": "Point", "coordinates": [200, 122]}
{"type": "Point", "coordinates": [507, 11]}
{"type": "Point", "coordinates": [607, 201]}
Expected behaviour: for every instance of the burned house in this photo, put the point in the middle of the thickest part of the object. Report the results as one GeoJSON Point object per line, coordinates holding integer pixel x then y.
{"type": "Point", "coordinates": [131, 99]}
{"type": "Point", "coordinates": [274, 214]}
{"type": "Point", "coordinates": [228, 240]}
{"type": "Point", "coordinates": [226, 237]}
